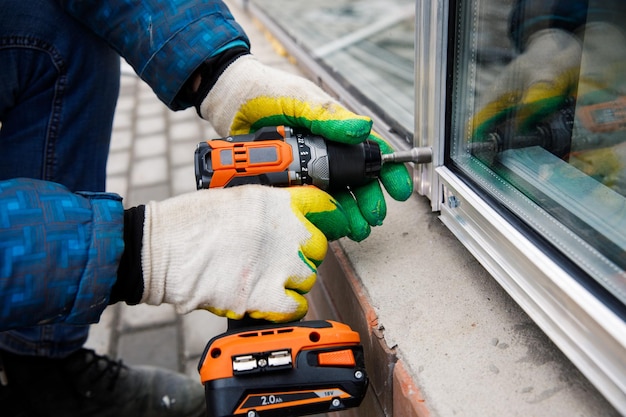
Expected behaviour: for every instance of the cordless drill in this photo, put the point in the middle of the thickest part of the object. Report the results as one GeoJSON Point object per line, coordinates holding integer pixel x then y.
{"type": "Point", "coordinates": [557, 133]}
{"type": "Point", "coordinates": [283, 156]}
{"type": "Point", "coordinates": [260, 369]}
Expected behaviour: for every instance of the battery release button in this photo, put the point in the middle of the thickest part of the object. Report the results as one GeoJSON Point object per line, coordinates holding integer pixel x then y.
{"type": "Point", "coordinates": [337, 358]}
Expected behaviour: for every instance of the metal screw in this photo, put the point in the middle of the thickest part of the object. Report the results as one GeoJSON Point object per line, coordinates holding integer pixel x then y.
{"type": "Point", "coordinates": [336, 402]}
{"type": "Point", "coordinates": [358, 374]}
{"type": "Point", "coordinates": [262, 363]}
{"type": "Point", "coordinates": [453, 202]}
{"type": "Point", "coordinates": [252, 413]}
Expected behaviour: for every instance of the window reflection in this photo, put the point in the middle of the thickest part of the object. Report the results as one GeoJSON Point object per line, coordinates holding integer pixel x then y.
{"type": "Point", "coordinates": [564, 91]}
{"type": "Point", "coordinates": [367, 45]}
{"type": "Point", "coordinates": [540, 101]}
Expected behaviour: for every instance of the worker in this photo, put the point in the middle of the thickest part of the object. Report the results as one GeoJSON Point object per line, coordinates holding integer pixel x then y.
{"type": "Point", "coordinates": [69, 249]}
{"type": "Point", "coordinates": [566, 49]}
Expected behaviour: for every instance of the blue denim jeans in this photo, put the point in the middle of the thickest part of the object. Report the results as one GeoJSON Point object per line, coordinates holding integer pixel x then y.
{"type": "Point", "coordinates": [58, 87]}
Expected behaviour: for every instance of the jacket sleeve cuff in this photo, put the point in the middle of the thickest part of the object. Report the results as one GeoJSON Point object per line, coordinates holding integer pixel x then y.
{"type": "Point", "coordinates": [107, 244]}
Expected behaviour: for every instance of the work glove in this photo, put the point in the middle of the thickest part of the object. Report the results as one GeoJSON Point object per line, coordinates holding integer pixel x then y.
{"type": "Point", "coordinates": [249, 95]}
{"type": "Point", "coordinates": [534, 85]}
{"type": "Point", "coordinates": [242, 250]}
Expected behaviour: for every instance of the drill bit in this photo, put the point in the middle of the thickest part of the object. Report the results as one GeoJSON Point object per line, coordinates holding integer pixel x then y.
{"type": "Point", "coordinates": [423, 155]}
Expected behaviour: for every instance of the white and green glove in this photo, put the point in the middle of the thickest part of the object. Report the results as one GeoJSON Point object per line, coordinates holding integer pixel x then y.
{"type": "Point", "coordinates": [533, 86]}
{"type": "Point", "coordinates": [243, 250]}
{"type": "Point", "coordinates": [249, 95]}
{"type": "Point", "coordinates": [590, 66]}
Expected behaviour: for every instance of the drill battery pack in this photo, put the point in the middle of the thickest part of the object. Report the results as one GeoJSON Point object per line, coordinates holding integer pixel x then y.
{"type": "Point", "coordinates": [279, 370]}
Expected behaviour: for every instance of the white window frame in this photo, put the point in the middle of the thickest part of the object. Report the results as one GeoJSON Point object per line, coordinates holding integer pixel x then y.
{"type": "Point", "coordinates": [590, 334]}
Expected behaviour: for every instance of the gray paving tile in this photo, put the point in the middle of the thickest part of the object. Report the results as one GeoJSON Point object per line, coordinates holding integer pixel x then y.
{"type": "Point", "coordinates": [101, 333]}
{"type": "Point", "coordinates": [183, 180]}
{"type": "Point", "coordinates": [141, 195]}
{"type": "Point", "coordinates": [143, 315]}
{"type": "Point", "coordinates": [187, 115]}
{"type": "Point", "coordinates": [118, 185]}
{"type": "Point", "coordinates": [121, 139]}
{"type": "Point", "coordinates": [149, 125]}
{"type": "Point", "coordinates": [118, 163]}
{"type": "Point", "coordinates": [181, 153]}
{"type": "Point", "coordinates": [156, 346]}
{"type": "Point", "coordinates": [149, 171]}
{"type": "Point", "coordinates": [198, 328]}
{"type": "Point", "coordinates": [184, 130]}
{"type": "Point", "coordinates": [151, 107]}
{"type": "Point", "coordinates": [151, 145]}
{"type": "Point", "coordinates": [190, 368]}
{"type": "Point", "coordinates": [122, 120]}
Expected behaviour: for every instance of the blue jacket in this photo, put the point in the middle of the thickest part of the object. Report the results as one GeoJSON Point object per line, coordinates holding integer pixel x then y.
{"type": "Point", "coordinates": [59, 250]}
{"type": "Point", "coordinates": [163, 40]}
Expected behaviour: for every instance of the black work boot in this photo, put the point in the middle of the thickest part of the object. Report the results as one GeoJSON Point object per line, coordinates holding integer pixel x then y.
{"type": "Point", "coordinates": [85, 384]}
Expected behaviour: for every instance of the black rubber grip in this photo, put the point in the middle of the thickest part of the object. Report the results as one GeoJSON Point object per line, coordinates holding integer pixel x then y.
{"type": "Point", "coordinates": [353, 165]}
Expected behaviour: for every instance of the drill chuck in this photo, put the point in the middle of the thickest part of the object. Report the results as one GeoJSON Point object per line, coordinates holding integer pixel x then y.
{"type": "Point", "coordinates": [553, 134]}
{"type": "Point", "coordinates": [352, 165]}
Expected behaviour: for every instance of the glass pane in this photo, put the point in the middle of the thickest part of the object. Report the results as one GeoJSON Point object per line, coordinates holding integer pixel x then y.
{"type": "Point", "coordinates": [366, 44]}
{"type": "Point", "coordinates": [539, 121]}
